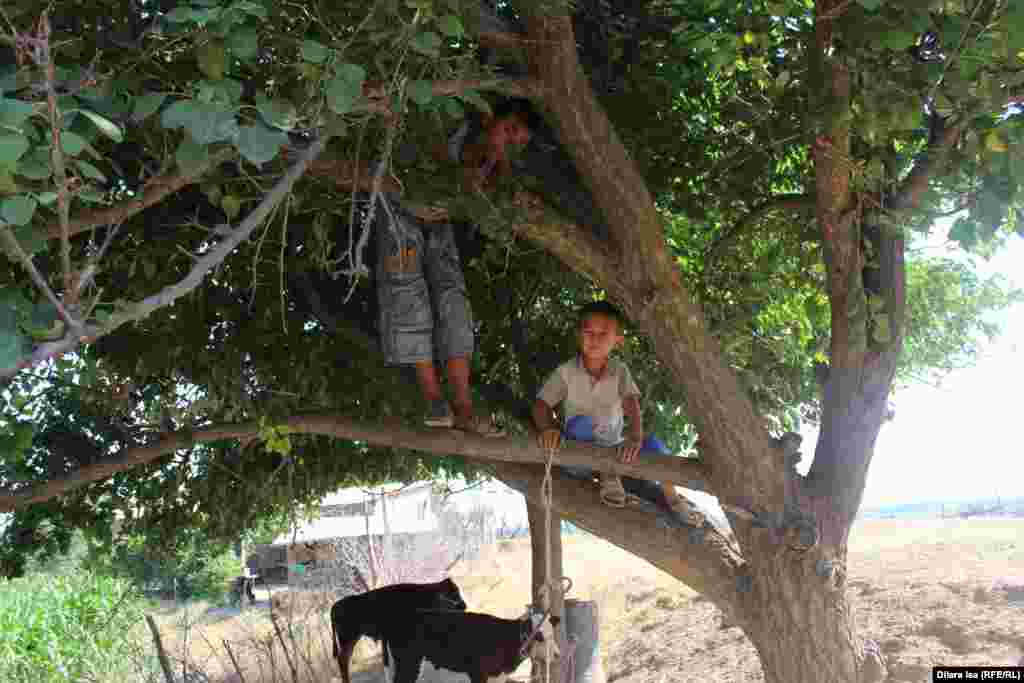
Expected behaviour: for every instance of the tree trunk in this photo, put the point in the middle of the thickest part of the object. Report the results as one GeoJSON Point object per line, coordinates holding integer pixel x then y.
{"type": "Point", "coordinates": [800, 624]}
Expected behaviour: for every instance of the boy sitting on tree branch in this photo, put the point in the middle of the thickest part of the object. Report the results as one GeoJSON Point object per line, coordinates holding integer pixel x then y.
{"type": "Point", "coordinates": [597, 395]}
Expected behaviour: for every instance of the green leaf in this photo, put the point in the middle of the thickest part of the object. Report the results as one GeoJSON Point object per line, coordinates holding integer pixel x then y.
{"type": "Point", "coordinates": [427, 43]}
{"type": "Point", "coordinates": [870, 5]}
{"type": "Point", "coordinates": [12, 147]}
{"type": "Point", "coordinates": [314, 52]}
{"type": "Point", "coordinates": [90, 171]}
{"type": "Point", "coordinates": [178, 114]}
{"type": "Point", "coordinates": [226, 91]}
{"type": "Point", "coordinates": [12, 343]}
{"type": "Point", "coordinates": [14, 113]}
{"type": "Point", "coordinates": [353, 73]}
{"type": "Point", "coordinates": [46, 198]}
{"type": "Point", "coordinates": [244, 43]}
{"type": "Point", "coordinates": [252, 8]}
{"type": "Point", "coordinates": [232, 206]}
{"type": "Point", "coordinates": [260, 144]}
{"type": "Point", "coordinates": [7, 184]}
{"type": "Point", "coordinates": [190, 154]}
{"type": "Point", "coordinates": [106, 126]}
{"type": "Point", "coordinates": [15, 300]}
{"type": "Point", "coordinates": [146, 105]}
{"type": "Point", "coordinates": [72, 143]}
{"type": "Point", "coordinates": [964, 231]}
{"type": "Point", "coordinates": [35, 165]}
{"type": "Point", "coordinates": [342, 94]}
{"type": "Point", "coordinates": [279, 113]}
{"type": "Point", "coordinates": [451, 26]}
{"type": "Point", "coordinates": [454, 108]}
{"type": "Point", "coordinates": [18, 210]}
{"type": "Point", "coordinates": [179, 15]}
{"type": "Point", "coordinates": [898, 40]}
{"type": "Point", "coordinates": [420, 92]}
{"type": "Point", "coordinates": [473, 97]}
{"type": "Point", "coordinates": [212, 59]}
{"type": "Point", "coordinates": [206, 122]}
{"type": "Point", "coordinates": [43, 323]}
{"type": "Point", "coordinates": [32, 241]}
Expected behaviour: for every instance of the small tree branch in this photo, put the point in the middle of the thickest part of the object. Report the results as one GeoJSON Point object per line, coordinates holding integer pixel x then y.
{"type": "Point", "coordinates": [202, 267]}
{"type": "Point", "coordinates": [378, 98]}
{"type": "Point", "coordinates": [681, 471]}
{"type": "Point", "coordinates": [786, 202]}
{"type": "Point", "coordinates": [56, 152]}
{"type": "Point", "coordinates": [12, 245]}
{"type": "Point", "coordinates": [156, 190]}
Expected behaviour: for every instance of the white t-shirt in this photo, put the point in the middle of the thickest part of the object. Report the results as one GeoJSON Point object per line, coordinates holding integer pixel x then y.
{"type": "Point", "coordinates": [600, 399]}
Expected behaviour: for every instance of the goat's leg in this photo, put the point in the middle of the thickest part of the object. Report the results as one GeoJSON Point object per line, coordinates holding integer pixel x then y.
{"type": "Point", "coordinates": [343, 651]}
{"type": "Point", "coordinates": [407, 669]}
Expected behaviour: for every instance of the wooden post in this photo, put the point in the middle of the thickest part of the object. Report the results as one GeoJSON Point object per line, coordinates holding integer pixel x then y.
{"type": "Point", "coordinates": [535, 515]}
{"type": "Point", "coordinates": [583, 624]}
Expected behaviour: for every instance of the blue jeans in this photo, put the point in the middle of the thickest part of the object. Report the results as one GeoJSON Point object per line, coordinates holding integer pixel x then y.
{"type": "Point", "coordinates": [581, 428]}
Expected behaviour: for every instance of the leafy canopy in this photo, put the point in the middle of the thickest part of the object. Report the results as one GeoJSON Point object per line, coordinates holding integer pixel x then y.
{"type": "Point", "coordinates": [716, 101]}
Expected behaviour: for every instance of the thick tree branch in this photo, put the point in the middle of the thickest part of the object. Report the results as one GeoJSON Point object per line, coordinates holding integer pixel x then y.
{"type": "Point", "coordinates": [647, 280]}
{"type": "Point", "coordinates": [944, 137]}
{"type": "Point", "coordinates": [706, 562]}
{"type": "Point", "coordinates": [681, 471]}
{"type": "Point", "coordinates": [203, 265]}
{"type": "Point", "coordinates": [570, 243]}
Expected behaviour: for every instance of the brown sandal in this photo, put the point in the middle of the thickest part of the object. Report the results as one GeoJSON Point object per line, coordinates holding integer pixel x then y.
{"type": "Point", "coordinates": [474, 424]}
{"type": "Point", "coordinates": [612, 493]}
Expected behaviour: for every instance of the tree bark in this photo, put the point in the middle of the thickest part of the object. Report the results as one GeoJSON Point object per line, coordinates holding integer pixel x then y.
{"type": "Point", "coordinates": [682, 471]}
{"type": "Point", "coordinates": [800, 624]}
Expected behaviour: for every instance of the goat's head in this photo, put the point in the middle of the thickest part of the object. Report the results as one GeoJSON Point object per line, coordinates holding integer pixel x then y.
{"type": "Point", "coordinates": [449, 596]}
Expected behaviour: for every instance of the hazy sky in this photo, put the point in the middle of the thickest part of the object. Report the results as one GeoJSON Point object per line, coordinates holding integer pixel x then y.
{"type": "Point", "coordinates": [960, 440]}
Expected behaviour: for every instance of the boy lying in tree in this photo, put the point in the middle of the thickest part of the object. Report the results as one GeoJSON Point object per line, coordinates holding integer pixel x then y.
{"type": "Point", "coordinates": [424, 310]}
{"type": "Point", "coordinates": [597, 394]}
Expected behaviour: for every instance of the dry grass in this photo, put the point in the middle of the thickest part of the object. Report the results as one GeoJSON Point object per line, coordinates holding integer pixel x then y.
{"type": "Point", "coordinates": [929, 591]}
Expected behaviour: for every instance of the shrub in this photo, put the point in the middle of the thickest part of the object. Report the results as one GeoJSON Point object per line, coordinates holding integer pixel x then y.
{"type": "Point", "coordinates": [68, 627]}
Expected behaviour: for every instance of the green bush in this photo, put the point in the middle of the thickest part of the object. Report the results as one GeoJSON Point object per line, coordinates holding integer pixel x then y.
{"type": "Point", "coordinates": [69, 627]}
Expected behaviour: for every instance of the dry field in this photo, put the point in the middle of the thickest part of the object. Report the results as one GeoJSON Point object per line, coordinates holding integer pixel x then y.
{"type": "Point", "coordinates": [929, 591]}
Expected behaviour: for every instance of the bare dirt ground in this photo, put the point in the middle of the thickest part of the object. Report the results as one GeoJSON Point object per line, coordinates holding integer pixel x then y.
{"type": "Point", "coordinates": [929, 591]}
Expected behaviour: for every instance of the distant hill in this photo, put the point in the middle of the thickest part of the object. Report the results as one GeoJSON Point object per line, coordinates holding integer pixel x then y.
{"type": "Point", "coordinates": [1013, 506]}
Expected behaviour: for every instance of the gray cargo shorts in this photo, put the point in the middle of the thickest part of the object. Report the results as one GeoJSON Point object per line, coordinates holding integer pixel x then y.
{"type": "Point", "coordinates": [424, 310]}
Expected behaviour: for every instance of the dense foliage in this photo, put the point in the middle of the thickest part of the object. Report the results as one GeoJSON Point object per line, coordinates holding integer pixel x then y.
{"type": "Point", "coordinates": [717, 102]}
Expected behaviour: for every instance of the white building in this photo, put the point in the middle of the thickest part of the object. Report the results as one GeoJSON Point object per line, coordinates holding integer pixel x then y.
{"type": "Point", "coordinates": [349, 513]}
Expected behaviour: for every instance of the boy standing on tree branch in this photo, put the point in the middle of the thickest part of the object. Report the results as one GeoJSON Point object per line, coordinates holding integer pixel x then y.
{"type": "Point", "coordinates": [597, 394]}
{"type": "Point", "coordinates": [425, 314]}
